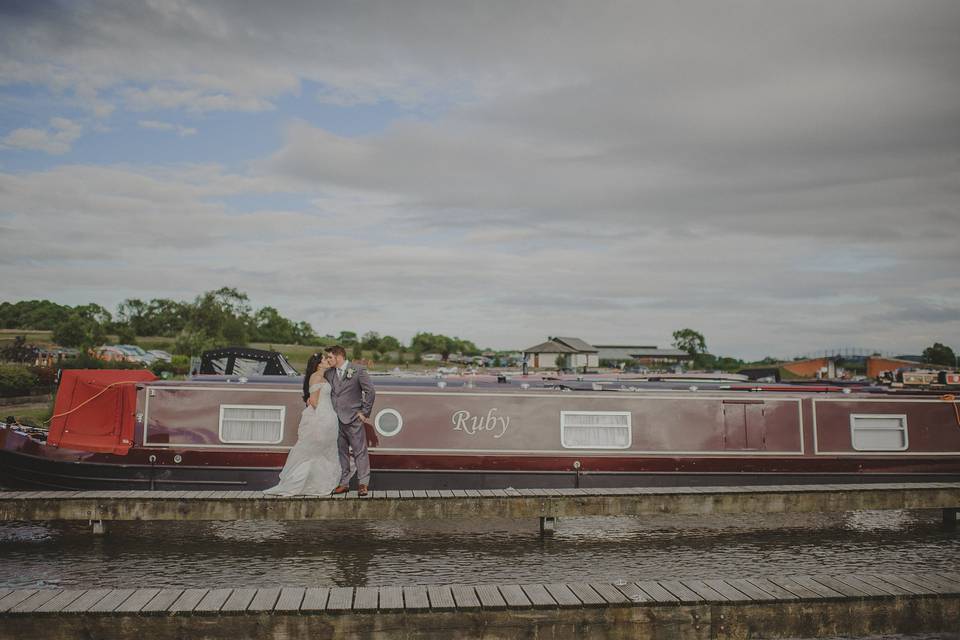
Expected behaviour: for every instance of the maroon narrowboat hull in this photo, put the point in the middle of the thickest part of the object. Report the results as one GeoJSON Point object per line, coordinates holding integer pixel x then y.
{"type": "Point", "coordinates": [26, 463]}
{"type": "Point", "coordinates": [491, 437]}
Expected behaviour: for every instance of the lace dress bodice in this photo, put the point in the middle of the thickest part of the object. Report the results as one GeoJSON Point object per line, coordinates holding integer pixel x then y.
{"type": "Point", "coordinates": [323, 413]}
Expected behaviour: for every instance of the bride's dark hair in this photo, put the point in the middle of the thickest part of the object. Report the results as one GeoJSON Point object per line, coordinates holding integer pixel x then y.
{"type": "Point", "coordinates": [312, 364]}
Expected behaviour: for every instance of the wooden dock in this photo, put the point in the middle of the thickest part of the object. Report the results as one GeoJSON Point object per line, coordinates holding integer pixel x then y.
{"type": "Point", "coordinates": [472, 504]}
{"type": "Point", "coordinates": [768, 607]}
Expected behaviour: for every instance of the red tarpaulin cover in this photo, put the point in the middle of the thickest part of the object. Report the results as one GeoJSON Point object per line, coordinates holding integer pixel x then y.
{"type": "Point", "coordinates": [105, 424]}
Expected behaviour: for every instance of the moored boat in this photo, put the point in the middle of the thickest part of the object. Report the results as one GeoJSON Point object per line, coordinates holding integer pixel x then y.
{"type": "Point", "coordinates": [127, 430]}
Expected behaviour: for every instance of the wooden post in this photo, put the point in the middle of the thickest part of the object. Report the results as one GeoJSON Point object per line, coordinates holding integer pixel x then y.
{"type": "Point", "coordinates": [547, 525]}
{"type": "Point", "coordinates": [950, 517]}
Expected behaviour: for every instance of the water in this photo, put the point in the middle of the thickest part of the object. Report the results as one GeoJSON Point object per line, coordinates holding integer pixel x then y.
{"type": "Point", "coordinates": [257, 554]}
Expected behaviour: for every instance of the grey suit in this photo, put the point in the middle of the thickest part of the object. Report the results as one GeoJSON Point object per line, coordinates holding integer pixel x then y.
{"type": "Point", "coordinates": [350, 395]}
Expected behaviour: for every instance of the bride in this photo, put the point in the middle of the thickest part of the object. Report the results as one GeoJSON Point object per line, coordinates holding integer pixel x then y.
{"type": "Point", "coordinates": [312, 466]}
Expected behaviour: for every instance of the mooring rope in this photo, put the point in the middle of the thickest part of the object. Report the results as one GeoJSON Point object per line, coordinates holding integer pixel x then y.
{"type": "Point", "coordinates": [949, 397]}
{"type": "Point", "coordinates": [90, 399]}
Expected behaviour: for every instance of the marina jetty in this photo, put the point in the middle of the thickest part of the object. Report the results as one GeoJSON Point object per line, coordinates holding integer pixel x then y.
{"type": "Point", "coordinates": [101, 507]}
{"type": "Point", "coordinates": [768, 607]}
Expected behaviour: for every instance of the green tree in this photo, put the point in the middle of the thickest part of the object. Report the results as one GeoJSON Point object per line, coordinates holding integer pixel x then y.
{"type": "Point", "coordinates": [347, 338]}
{"type": "Point", "coordinates": [232, 301]}
{"type": "Point", "coordinates": [273, 327]}
{"type": "Point", "coordinates": [166, 317]}
{"type": "Point", "coordinates": [371, 341]}
{"type": "Point", "coordinates": [125, 333]}
{"type": "Point", "coordinates": [389, 343]}
{"type": "Point", "coordinates": [94, 312]}
{"type": "Point", "coordinates": [80, 331]}
{"type": "Point", "coordinates": [445, 345]}
{"type": "Point", "coordinates": [32, 314]}
{"type": "Point", "coordinates": [423, 342]}
{"type": "Point", "coordinates": [216, 318]}
{"type": "Point", "coordinates": [711, 362]}
{"type": "Point", "coordinates": [357, 351]}
{"type": "Point", "coordinates": [235, 331]}
{"type": "Point", "coordinates": [135, 313]}
{"type": "Point", "coordinates": [705, 361]}
{"type": "Point", "coordinates": [193, 342]}
{"type": "Point", "coordinates": [305, 333]}
{"type": "Point", "coordinates": [939, 354]}
{"type": "Point", "coordinates": [158, 317]}
{"type": "Point", "coordinates": [69, 333]}
{"type": "Point", "coordinates": [690, 341]}
{"type": "Point", "coordinates": [439, 343]}
{"type": "Point", "coordinates": [466, 347]}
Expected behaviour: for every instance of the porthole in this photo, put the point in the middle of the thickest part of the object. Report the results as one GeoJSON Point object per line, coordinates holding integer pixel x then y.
{"type": "Point", "coordinates": [388, 422]}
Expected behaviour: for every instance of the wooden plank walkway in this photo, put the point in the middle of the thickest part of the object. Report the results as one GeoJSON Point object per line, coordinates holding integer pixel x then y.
{"type": "Point", "coordinates": [777, 606]}
{"type": "Point", "coordinates": [490, 503]}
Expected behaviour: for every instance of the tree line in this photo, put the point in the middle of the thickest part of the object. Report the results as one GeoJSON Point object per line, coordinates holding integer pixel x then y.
{"type": "Point", "coordinates": [219, 318]}
{"type": "Point", "coordinates": [695, 344]}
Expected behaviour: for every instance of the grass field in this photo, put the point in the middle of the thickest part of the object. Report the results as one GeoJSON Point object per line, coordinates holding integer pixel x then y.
{"type": "Point", "coordinates": [297, 354]}
{"type": "Point", "coordinates": [45, 338]}
{"type": "Point", "coordinates": [29, 414]}
{"type": "Point", "coordinates": [34, 336]}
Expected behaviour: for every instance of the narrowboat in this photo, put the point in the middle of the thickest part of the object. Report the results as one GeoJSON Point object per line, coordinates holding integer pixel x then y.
{"type": "Point", "coordinates": [129, 430]}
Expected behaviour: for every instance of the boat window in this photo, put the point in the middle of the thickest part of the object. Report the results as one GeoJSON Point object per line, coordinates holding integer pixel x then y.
{"type": "Point", "coordinates": [595, 429]}
{"type": "Point", "coordinates": [251, 423]}
{"type": "Point", "coordinates": [878, 432]}
{"type": "Point", "coordinates": [388, 422]}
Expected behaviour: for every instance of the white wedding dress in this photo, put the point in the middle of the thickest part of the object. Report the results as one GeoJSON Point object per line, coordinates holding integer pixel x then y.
{"type": "Point", "coordinates": [312, 468]}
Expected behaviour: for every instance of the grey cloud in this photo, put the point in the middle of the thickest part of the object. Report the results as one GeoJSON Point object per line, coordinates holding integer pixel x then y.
{"type": "Point", "coordinates": [920, 311]}
{"type": "Point", "coordinates": [613, 174]}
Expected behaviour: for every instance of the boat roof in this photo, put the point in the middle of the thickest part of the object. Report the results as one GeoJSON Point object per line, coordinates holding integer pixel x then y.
{"type": "Point", "coordinates": [595, 383]}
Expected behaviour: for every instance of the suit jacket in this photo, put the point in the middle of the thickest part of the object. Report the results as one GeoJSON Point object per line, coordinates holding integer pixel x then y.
{"type": "Point", "coordinates": [351, 395]}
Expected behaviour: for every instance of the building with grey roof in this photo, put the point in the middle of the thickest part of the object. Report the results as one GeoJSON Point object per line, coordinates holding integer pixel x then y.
{"type": "Point", "coordinates": [561, 353]}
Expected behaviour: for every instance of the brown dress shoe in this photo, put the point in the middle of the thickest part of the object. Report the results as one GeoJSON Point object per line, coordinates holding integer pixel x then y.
{"type": "Point", "coordinates": [362, 490]}
{"type": "Point", "coordinates": [340, 489]}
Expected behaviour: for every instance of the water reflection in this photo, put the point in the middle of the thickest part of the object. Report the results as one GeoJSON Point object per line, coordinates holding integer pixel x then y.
{"type": "Point", "coordinates": [247, 553]}
{"type": "Point", "coordinates": [893, 520]}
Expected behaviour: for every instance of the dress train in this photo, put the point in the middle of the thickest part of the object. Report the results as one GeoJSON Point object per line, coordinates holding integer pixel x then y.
{"type": "Point", "coordinates": [312, 467]}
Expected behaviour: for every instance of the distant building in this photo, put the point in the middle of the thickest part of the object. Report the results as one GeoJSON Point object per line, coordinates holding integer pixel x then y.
{"type": "Point", "coordinates": [653, 356]}
{"type": "Point", "coordinates": [573, 353]}
{"type": "Point", "coordinates": [645, 354]}
{"type": "Point", "coordinates": [814, 368]}
{"type": "Point", "coordinates": [620, 352]}
{"type": "Point", "coordinates": [877, 365]}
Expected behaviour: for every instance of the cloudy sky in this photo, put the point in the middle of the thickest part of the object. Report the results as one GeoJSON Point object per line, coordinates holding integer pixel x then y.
{"type": "Point", "coordinates": [781, 176]}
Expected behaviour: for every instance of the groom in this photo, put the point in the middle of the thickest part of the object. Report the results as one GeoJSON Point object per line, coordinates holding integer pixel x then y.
{"type": "Point", "coordinates": [352, 395]}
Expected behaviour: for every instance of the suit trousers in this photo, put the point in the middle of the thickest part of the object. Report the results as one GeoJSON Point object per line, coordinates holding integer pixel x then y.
{"type": "Point", "coordinates": [353, 436]}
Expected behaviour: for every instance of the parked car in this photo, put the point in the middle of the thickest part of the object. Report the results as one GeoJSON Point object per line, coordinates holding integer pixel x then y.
{"type": "Point", "coordinates": [161, 355]}
{"type": "Point", "coordinates": [136, 354]}
{"type": "Point", "coordinates": [110, 354]}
